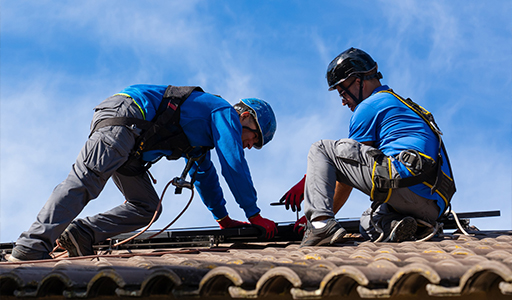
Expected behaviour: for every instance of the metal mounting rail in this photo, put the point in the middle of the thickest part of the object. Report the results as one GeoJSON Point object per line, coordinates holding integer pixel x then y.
{"type": "Point", "coordinates": [210, 236]}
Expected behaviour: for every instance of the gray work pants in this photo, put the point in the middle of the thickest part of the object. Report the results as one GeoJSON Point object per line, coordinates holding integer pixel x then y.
{"type": "Point", "coordinates": [347, 161]}
{"type": "Point", "coordinates": [104, 152]}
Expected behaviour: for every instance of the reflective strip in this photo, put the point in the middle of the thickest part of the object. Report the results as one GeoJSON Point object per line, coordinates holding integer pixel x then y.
{"type": "Point", "coordinates": [373, 179]}
{"type": "Point", "coordinates": [427, 157]}
{"type": "Point", "coordinates": [140, 108]}
{"type": "Point", "coordinates": [390, 190]}
{"type": "Point", "coordinates": [437, 191]}
{"type": "Point", "coordinates": [451, 179]}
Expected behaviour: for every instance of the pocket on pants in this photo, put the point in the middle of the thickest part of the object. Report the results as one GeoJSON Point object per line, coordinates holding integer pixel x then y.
{"type": "Point", "coordinates": [349, 151]}
{"type": "Point", "coordinates": [112, 102]}
{"type": "Point", "coordinates": [107, 151]}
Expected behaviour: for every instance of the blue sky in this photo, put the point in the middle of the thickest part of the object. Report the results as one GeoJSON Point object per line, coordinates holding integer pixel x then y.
{"type": "Point", "coordinates": [58, 61]}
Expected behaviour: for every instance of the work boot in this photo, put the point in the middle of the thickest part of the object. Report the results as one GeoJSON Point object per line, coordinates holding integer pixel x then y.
{"type": "Point", "coordinates": [76, 243]}
{"type": "Point", "coordinates": [331, 233]}
{"type": "Point", "coordinates": [22, 253]}
{"type": "Point", "coordinates": [403, 230]}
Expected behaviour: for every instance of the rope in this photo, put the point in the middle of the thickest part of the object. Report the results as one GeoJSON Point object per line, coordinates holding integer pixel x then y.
{"type": "Point", "coordinates": [435, 227]}
{"type": "Point", "coordinates": [147, 227]}
{"type": "Point", "coordinates": [154, 217]}
{"type": "Point", "coordinates": [177, 217]}
{"type": "Point", "coordinates": [97, 256]}
{"type": "Point", "coordinates": [457, 221]}
{"type": "Point", "coordinates": [381, 236]}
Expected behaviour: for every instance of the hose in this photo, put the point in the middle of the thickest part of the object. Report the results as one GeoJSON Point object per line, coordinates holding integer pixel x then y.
{"type": "Point", "coordinates": [153, 219]}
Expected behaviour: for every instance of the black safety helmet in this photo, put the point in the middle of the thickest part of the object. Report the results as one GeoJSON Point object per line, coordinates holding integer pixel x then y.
{"type": "Point", "coordinates": [350, 63]}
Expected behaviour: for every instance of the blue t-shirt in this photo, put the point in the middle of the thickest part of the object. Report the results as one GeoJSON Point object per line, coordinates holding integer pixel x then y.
{"type": "Point", "coordinates": [393, 127]}
{"type": "Point", "coordinates": [209, 121]}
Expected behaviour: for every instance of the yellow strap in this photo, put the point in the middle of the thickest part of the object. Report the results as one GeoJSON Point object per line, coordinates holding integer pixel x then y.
{"type": "Point", "coordinates": [140, 108]}
{"type": "Point", "coordinates": [433, 129]}
{"type": "Point", "coordinates": [373, 181]}
{"type": "Point", "coordinates": [406, 104]}
{"type": "Point", "coordinates": [390, 190]}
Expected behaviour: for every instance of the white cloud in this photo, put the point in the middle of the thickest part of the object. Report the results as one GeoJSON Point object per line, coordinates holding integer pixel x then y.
{"type": "Point", "coordinates": [433, 52]}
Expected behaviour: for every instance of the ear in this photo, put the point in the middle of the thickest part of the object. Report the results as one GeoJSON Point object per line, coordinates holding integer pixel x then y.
{"type": "Point", "coordinates": [244, 115]}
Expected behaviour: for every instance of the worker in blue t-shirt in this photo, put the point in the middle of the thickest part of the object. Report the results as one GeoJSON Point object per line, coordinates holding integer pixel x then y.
{"type": "Point", "coordinates": [207, 121]}
{"type": "Point", "coordinates": [388, 142]}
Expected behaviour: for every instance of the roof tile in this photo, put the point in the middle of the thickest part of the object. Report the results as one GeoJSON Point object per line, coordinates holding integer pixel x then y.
{"type": "Point", "coordinates": [449, 266]}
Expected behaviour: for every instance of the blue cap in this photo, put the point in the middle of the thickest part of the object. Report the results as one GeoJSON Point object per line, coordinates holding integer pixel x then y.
{"type": "Point", "coordinates": [265, 119]}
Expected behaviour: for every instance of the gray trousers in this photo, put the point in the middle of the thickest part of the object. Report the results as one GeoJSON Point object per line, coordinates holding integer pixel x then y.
{"type": "Point", "coordinates": [104, 152]}
{"type": "Point", "coordinates": [347, 161]}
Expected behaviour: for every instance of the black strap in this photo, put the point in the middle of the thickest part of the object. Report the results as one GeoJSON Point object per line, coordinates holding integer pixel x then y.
{"type": "Point", "coordinates": [389, 183]}
{"type": "Point", "coordinates": [163, 132]}
{"type": "Point", "coordinates": [386, 183]}
{"type": "Point", "coordinates": [121, 121]}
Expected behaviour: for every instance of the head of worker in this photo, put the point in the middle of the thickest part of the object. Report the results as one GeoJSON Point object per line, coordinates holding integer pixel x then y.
{"type": "Point", "coordinates": [258, 122]}
{"type": "Point", "coordinates": [353, 73]}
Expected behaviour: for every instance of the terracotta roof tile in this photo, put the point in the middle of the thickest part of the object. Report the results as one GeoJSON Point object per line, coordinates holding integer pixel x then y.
{"type": "Point", "coordinates": [455, 266]}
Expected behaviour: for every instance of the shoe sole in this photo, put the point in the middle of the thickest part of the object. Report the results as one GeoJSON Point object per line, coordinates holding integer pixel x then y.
{"type": "Point", "coordinates": [17, 260]}
{"type": "Point", "coordinates": [404, 230]}
{"type": "Point", "coordinates": [69, 242]}
{"type": "Point", "coordinates": [14, 259]}
{"type": "Point", "coordinates": [336, 237]}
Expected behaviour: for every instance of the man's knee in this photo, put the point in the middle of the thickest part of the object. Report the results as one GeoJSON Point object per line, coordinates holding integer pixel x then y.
{"type": "Point", "coordinates": [316, 146]}
{"type": "Point", "coordinates": [318, 149]}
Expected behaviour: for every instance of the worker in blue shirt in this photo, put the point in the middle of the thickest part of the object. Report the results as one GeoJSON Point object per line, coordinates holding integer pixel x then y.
{"type": "Point", "coordinates": [207, 121]}
{"type": "Point", "coordinates": [393, 153]}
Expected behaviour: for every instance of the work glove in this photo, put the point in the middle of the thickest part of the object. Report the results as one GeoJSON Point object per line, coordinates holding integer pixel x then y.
{"type": "Point", "coordinates": [300, 226]}
{"type": "Point", "coordinates": [227, 222]}
{"type": "Point", "coordinates": [294, 196]}
{"type": "Point", "coordinates": [265, 225]}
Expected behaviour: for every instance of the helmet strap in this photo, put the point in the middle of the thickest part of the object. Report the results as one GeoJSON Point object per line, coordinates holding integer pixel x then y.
{"type": "Point", "coordinates": [360, 99]}
{"type": "Point", "coordinates": [356, 99]}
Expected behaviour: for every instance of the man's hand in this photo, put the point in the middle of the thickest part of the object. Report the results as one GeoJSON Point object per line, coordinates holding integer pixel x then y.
{"type": "Point", "coordinates": [294, 196]}
{"type": "Point", "coordinates": [266, 225]}
{"type": "Point", "coordinates": [227, 222]}
{"type": "Point", "coordinates": [300, 226]}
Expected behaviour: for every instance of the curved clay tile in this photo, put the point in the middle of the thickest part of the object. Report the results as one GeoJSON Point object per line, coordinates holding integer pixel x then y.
{"type": "Point", "coordinates": [162, 281]}
{"type": "Point", "coordinates": [478, 279]}
{"type": "Point", "coordinates": [104, 283]}
{"type": "Point", "coordinates": [217, 281]}
{"type": "Point", "coordinates": [54, 285]}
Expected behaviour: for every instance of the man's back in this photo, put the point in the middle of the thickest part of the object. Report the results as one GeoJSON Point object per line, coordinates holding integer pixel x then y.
{"type": "Point", "coordinates": [391, 126]}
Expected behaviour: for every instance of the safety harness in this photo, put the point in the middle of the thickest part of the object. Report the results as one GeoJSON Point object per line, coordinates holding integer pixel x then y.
{"type": "Point", "coordinates": [163, 132]}
{"type": "Point", "coordinates": [424, 169]}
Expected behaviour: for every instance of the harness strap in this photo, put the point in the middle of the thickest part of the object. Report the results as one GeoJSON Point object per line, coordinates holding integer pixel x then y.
{"type": "Point", "coordinates": [121, 121]}
{"type": "Point", "coordinates": [404, 182]}
{"type": "Point", "coordinates": [382, 182]}
{"type": "Point", "coordinates": [432, 176]}
{"type": "Point", "coordinates": [162, 133]}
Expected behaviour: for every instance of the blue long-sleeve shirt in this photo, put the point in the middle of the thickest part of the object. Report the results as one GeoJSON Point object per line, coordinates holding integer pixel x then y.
{"type": "Point", "coordinates": [208, 121]}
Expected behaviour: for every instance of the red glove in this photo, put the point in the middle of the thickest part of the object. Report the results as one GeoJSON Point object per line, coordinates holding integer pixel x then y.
{"type": "Point", "coordinates": [300, 226]}
{"type": "Point", "coordinates": [294, 196]}
{"type": "Point", "coordinates": [265, 225]}
{"type": "Point", "coordinates": [227, 222]}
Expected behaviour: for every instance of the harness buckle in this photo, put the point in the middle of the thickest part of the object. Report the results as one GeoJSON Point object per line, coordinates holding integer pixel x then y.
{"type": "Point", "coordinates": [411, 159]}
